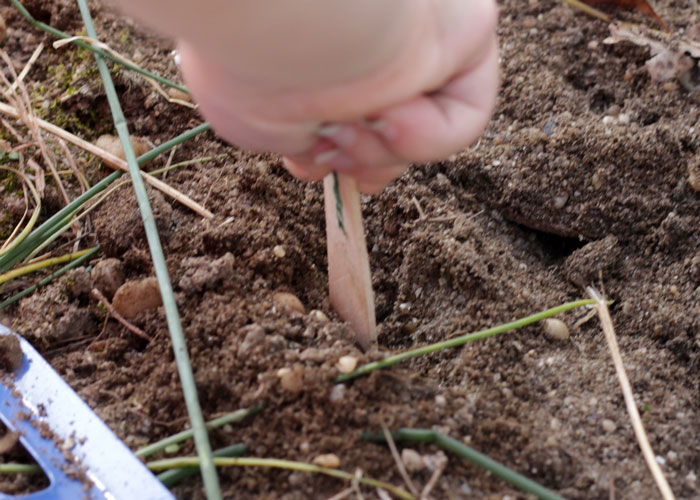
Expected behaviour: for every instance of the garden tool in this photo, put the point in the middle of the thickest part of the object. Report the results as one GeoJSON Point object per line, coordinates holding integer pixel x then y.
{"type": "Point", "coordinates": [80, 455]}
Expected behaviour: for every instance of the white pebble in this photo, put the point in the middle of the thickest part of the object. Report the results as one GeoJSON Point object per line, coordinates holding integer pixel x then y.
{"type": "Point", "coordinates": [555, 329]}
{"type": "Point", "coordinates": [337, 393]}
{"type": "Point", "coordinates": [660, 460]}
{"type": "Point", "coordinates": [328, 460]}
{"type": "Point", "coordinates": [412, 460]}
{"type": "Point", "coordinates": [608, 425]}
{"type": "Point", "coordinates": [346, 364]}
{"type": "Point", "coordinates": [279, 251]}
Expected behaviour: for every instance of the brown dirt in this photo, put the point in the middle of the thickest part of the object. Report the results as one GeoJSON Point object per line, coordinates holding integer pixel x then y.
{"type": "Point", "coordinates": [581, 178]}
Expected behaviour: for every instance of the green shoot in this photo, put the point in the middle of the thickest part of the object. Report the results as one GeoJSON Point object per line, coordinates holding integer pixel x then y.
{"type": "Point", "coordinates": [459, 341]}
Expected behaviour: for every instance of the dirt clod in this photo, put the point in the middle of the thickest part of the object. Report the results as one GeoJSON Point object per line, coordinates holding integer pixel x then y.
{"type": "Point", "coordinates": [412, 460]}
{"type": "Point", "coordinates": [137, 296]}
{"type": "Point", "coordinates": [11, 354]}
{"type": "Point", "coordinates": [112, 145]}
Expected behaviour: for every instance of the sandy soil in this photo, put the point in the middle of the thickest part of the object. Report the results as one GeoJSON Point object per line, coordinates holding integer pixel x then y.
{"type": "Point", "coordinates": [582, 178]}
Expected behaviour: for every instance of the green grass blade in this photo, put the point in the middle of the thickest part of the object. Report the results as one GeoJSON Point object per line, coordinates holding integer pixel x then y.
{"type": "Point", "coordinates": [459, 341]}
{"type": "Point", "coordinates": [173, 476]}
{"type": "Point", "coordinates": [63, 217]}
{"type": "Point", "coordinates": [201, 438]}
{"type": "Point", "coordinates": [49, 279]}
{"type": "Point", "coordinates": [461, 450]}
{"type": "Point", "coordinates": [84, 45]}
{"type": "Point", "coordinates": [231, 418]}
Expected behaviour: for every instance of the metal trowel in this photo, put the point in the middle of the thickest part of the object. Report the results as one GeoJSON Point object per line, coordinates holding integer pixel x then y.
{"type": "Point", "coordinates": [80, 455]}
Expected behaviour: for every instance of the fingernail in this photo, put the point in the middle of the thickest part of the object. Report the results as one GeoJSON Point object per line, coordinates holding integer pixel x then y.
{"type": "Point", "coordinates": [382, 126]}
{"type": "Point", "coordinates": [376, 125]}
{"type": "Point", "coordinates": [334, 158]}
{"type": "Point", "coordinates": [343, 135]}
{"type": "Point", "coordinates": [326, 157]}
{"type": "Point", "coordinates": [329, 130]}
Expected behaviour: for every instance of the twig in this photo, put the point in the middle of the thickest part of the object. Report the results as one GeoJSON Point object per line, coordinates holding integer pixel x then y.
{"type": "Point", "coordinates": [440, 461]}
{"type": "Point", "coordinates": [647, 452]}
{"type": "Point", "coordinates": [342, 495]}
{"type": "Point", "coordinates": [96, 294]}
{"type": "Point", "coordinates": [27, 67]}
{"type": "Point", "coordinates": [399, 462]}
{"type": "Point", "coordinates": [112, 161]}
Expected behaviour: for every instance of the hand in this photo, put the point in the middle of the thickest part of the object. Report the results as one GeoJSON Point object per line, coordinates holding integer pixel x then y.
{"type": "Point", "coordinates": [362, 87]}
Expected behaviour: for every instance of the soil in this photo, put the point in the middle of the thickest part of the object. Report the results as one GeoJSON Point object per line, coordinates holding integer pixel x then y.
{"type": "Point", "coordinates": [587, 175]}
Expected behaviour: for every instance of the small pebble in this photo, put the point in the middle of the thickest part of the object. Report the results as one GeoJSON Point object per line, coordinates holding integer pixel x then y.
{"type": "Point", "coordinates": [290, 380]}
{"type": "Point", "coordinates": [346, 364]}
{"type": "Point", "coordinates": [660, 460]}
{"type": "Point", "coordinates": [313, 355]}
{"type": "Point", "coordinates": [328, 460]}
{"type": "Point", "coordinates": [608, 425]}
{"type": "Point", "coordinates": [337, 393]}
{"type": "Point", "coordinates": [288, 300]}
{"type": "Point", "coordinates": [412, 460]}
{"type": "Point", "coordinates": [440, 400]}
{"type": "Point", "coordinates": [137, 296]}
{"type": "Point", "coordinates": [279, 251]}
{"type": "Point", "coordinates": [555, 329]}
{"type": "Point", "coordinates": [560, 201]}
{"type": "Point", "coordinates": [320, 316]}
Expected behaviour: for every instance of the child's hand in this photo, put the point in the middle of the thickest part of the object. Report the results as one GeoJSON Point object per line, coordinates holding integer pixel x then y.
{"type": "Point", "coordinates": [363, 87]}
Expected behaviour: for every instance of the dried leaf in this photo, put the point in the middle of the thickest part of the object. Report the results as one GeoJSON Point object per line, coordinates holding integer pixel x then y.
{"type": "Point", "coordinates": [640, 5]}
{"type": "Point", "coordinates": [672, 57]}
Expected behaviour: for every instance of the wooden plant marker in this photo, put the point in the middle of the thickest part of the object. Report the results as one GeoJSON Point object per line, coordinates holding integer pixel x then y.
{"type": "Point", "coordinates": [349, 278]}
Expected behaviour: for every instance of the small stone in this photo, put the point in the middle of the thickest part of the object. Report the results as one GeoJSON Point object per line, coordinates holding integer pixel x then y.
{"type": "Point", "coordinates": [608, 425]}
{"type": "Point", "coordinates": [440, 400]}
{"type": "Point", "coordinates": [279, 251]}
{"type": "Point", "coordinates": [660, 460]}
{"type": "Point", "coordinates": [346, 364]}
{"type": "Point", "coordinates": [137, 296]}
{"type": "Point", "coordinates": [412, 460]}
{"type": "Point", "coordinates": [320, 316]}
{"type": "Point", "coordinates": [337, 393]}
{"type": "Point", "coordinates": [672, 456]}
{"type": "Point", "coordinates": [107, 276]}
{"type": "Point", "coordinates": [560, 201]}
{"type": "Point", "coordinates": [291, 380]}
{"type": "Point", "coordinates": [111, 144]}
{"type": "Point", "coordinates": [555, 329]}
{"type": "Point", "coordinates": [289, 301]}
{"type": "Point", "coordinates": [11, 354]}
{"type": "Point", "coordinates": [179, 95]}
{"type": "Point", "coordinates": [328, 461]}
{"type": "Point", "coordinates": [623, 119]}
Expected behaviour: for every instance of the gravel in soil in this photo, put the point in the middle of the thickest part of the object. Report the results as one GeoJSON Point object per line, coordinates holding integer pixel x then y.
{"type": "Point", "coordinates": [582, 178]}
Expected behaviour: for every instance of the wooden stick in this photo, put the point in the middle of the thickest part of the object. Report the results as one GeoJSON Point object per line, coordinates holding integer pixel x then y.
{"type": "Point", "coordinates": [349, 279]}
{"type": "Point", "coordinates": [637, 425]}
{"type": "Point", "coordinates": [112, 161]}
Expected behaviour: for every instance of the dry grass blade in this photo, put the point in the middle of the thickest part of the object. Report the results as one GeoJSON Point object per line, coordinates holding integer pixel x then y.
{"type": "Point", "coordinates": [637, 425]}
{"type": "Point", "coordinates": [61, 43]}
{"type": "Point", "coordinates": [27, 67]}
{"type": "Point", "coordinates": [112, 161]}
{"type": "Point", "coordinates": [399, 463]}
{"type": "Point", "coordinates": [23, 104]}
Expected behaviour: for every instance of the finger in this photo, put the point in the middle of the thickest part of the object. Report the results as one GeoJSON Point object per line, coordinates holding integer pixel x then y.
{"type": "Point", "coordinates": [434, 126]}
